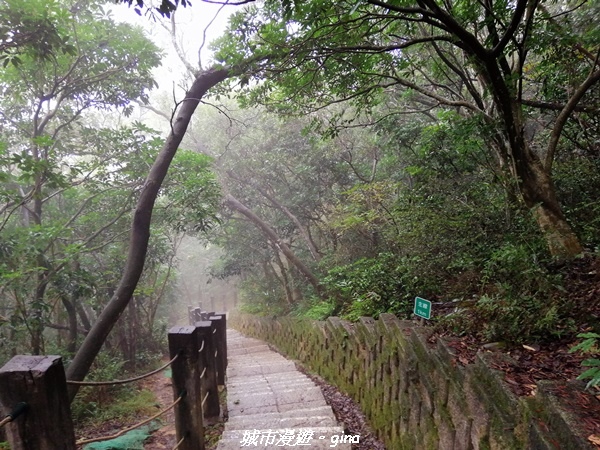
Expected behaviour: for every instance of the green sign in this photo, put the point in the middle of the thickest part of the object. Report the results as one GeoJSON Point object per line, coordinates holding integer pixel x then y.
{"type": "Point", "coordinates": [422, 308]}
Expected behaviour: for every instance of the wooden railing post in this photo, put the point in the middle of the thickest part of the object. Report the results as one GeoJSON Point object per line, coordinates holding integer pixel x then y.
{"type": "Point", "coordinates": [183, 340]}
{"type": "Point", "coordinates": [194, 315]}
{"type": "Point", "coordinates": [40, 382]}
{"type": "Point", "coordinates": [205, 315]}
{"type": "Point", "coordinates": [206, 341]}
{"type": "Point", "coordinates": [221, 345]}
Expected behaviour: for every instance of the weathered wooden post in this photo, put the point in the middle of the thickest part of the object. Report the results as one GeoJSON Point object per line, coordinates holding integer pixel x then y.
{"type": "Point", "coordinates": [183, 340]}
{"type": "Point", "coordinates": [194, 315]}
{"type": "Point", "coordinates": [208, 364]}
{"type": "Point", "coordinates": [40, 382]}
{"type": "Point", "coordinates": [220, 323]}
{"type": "Point", "coordinates": [205, 315]}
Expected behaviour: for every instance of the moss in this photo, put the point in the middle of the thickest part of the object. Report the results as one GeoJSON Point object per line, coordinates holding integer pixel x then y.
{"type": "Point", "coordinates": [415, 396]}
{"type": "Point", "coordinates": [491, 388]}
{"type": "Point", "coordinates": [484, 443]}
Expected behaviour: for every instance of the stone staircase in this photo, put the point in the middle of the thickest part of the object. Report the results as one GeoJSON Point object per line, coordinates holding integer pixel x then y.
{"type": "Point", "coordinates": [271, 405]}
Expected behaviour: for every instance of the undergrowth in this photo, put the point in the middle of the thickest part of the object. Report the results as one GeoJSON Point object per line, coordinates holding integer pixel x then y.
{"type": "Point", "coordinates": [95, 405]}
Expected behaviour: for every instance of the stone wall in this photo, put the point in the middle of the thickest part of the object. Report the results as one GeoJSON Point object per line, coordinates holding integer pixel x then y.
{"type": "Point", "coordinates": [415, 395]}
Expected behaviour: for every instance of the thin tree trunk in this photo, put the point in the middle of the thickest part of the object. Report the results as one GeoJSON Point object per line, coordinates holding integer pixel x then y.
{"type": "Point", "coordinates": [140, 229]}
{"type": "Point", "coordinates": [284, 276]}
{"type": "Point", "coordinates": [236, 205]}
{"type": "Point", "coordinates": [37, 307]}
{"type": "Point", "coordinates": [72, 319]}
{"type": "Point", "coordinates": [301, 228]}
{"type": "Point", "coordinates": [85, 321]}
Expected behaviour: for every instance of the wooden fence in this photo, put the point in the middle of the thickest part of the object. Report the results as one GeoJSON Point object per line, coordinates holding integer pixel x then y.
{"type": "Point", "coordinates": [36, 409]}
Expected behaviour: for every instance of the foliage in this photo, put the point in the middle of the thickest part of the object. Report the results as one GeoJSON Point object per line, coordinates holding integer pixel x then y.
{"type": "Point", "coordinates": [165, 8]}
{"type": "Point", "coordinates": [589, 345]}
{"type": "Point", "coordinates": [31, 29]}
{"type": "Point", "coordinates": [96, 404]}
{"type": "Point", "coordinates": [192, 192]}
{"type": "Point", "coordinates": [262, 297]}
{"type": "Point", "coordinates": [70, 176]}
{"type": "Point", "coordinates": [519, 300]}
{"type": "Point", "coordinates": [316, 309]}
{"type": "Point", "coordinates": [368, 287]}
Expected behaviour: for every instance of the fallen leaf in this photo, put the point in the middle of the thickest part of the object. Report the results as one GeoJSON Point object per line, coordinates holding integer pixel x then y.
{"type": "Point", "coordinates": [530, 348]}
{"type": "Point", "coordinates": [532, 389]}
{"type": "Point", "coordinates": [594, 439]}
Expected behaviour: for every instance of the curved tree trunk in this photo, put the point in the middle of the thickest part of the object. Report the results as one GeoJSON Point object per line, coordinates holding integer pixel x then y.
{"type": "Point", "coordinates": [72, 320]}
{"type": "Point", "coordinates": [289, 298]}
{"type": "Point", "coordinates": [534, 181]}
{"type": "Point", "coordinates": [539, 195]}
{"type": "Point", "coordinates": [140, 229]}
{"type": "Point", "coordinates": [301, 228]}
{"type": "Point", "coordinates": [236, 205]}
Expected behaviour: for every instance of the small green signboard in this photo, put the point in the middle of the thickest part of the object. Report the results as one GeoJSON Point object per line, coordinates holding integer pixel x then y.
{"type": "Point", "coordinates": [422, 308]}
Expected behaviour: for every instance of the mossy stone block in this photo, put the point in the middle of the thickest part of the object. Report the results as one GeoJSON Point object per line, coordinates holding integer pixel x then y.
{"type": "Point", "coordinates": [561, 424]}
{"type": "Point", "coordinates": [490, 387]}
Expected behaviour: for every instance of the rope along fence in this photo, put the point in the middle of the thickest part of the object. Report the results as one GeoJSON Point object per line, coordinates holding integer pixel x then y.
{"type": "Point", "coordinates": [19, 409]}
{"type": "Point", "coordinates": [37, 387]}
{"type": "Point", "coordinates": [129, 380]}
{"type": "Point", "coordinates": [133, 427]}
{"type": "Point", "coordinates": [126, 381]}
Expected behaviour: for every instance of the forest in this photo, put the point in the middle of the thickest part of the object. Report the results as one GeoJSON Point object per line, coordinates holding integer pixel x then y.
{"type": "Point", "coordinates": [328, 158]}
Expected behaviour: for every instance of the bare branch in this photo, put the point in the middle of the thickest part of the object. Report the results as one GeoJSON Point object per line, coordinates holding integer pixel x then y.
{"type": "Point", "coordinates": [564, 115]}
{"type": "Point", "coordinates": [205, 30]}
{"type": "Point", "coordinates": [512, 27]}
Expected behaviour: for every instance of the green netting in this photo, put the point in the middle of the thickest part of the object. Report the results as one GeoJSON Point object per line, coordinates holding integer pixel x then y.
{"type": "Point", "coordinates": [133, 440]}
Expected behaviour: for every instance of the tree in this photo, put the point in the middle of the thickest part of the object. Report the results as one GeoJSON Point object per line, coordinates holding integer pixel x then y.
{"type": "Point", "coordinates": [278, 244]}
{"type": "Point", "coordinates": [475, 59]}
{"type": "Point", "coordinates": [46, 91]}
{"type": "Point", "coordinates": [140, 228]}
{"type": "Point", "coordinates": [30, 28]}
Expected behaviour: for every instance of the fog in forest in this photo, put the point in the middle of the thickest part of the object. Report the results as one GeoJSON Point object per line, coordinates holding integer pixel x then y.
{"type": "Point", "coordinates": [194, 284]}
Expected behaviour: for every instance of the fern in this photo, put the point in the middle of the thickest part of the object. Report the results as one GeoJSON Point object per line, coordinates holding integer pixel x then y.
{"type": "Point", "coordinates": [589, 345]}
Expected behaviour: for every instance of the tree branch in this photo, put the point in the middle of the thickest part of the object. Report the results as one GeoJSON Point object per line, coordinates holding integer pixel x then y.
{"type": "Point", "coordinates": [564, 115]}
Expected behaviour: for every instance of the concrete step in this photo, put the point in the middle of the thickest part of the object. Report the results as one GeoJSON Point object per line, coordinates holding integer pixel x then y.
{"type": "Point", "coordinates": [266, 396]}
{"type": "Point", "coordinates": [268, 408]}
{"type": "Point", "coordinates": [271, 405]}
{"type": "Point", "coordinates": [262, 422]}
{"type": "Point", "coordinates": [319, 411]}
{"type": "Point", "coordinates": [262, 382]}
{"type": "Point", "coordinates": [258, 369]}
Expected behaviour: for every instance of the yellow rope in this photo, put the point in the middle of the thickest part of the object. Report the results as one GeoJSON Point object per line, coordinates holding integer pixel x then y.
{"type": "Point", "coordinates": [204, 399]}
{"type": "Point", "coordinates": [122, 432]}
{"type": "Point", "coordinates": [18, 409]}
{"type": "Point", "coordinates": [5, 421]}
{"type": "Point", "coordinates": [179, 443]}
{"type": "Point", "coordinates": [130, 380]}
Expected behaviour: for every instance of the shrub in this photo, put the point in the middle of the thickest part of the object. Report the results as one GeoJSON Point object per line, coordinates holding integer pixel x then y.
{"type": "Point", "coordinates": [589, 345]}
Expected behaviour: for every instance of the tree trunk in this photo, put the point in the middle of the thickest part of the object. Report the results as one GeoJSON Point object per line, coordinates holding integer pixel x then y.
{"type": "Point", "coordinates": [140, 229]}
{"type": "Point", "coordinates": [85, 321]}
{"type": "Point", "coordinates": [539, 195]}
{"type": "Point", "coordinates": [535, 182]}
{"type": "Point", "coordinates": [284, 276]}
{"type": "Point", "coordinates": [37, 305]}
{"type": "Point", "coordinates": [236, 205]}
{"type": "Point", "coordinates": [72, 319]}
{"type": "Point", "coordinates": [301, 228]}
